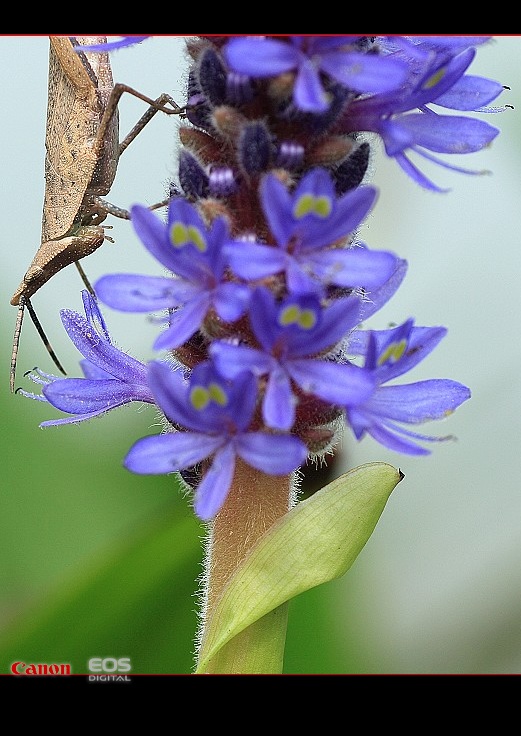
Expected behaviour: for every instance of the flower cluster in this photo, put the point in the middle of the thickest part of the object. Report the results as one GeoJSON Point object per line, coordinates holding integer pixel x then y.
{"type": "Point", "coordinates": [267, 283]}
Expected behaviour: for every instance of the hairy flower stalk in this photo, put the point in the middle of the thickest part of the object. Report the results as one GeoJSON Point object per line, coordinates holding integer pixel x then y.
{"type": "Point", "coordinates": [266, 287]}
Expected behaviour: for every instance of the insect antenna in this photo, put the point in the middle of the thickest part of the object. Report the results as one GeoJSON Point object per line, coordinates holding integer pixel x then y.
{"type": "Point", "coordinates": [85, 280]}
{"type": "Point", "coordinates": [24, 302]}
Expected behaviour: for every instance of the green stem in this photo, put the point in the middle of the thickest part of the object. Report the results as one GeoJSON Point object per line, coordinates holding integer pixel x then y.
{"type": "Point", "coordinates": [255, 502]}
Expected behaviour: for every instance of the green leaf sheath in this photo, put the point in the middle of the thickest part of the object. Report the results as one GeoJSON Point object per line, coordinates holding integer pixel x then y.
{"type": "Point", "coordinates": [315, 542]}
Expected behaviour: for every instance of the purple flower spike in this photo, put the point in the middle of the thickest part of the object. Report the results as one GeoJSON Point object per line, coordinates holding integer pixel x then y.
{"type": "Point", "coordinates": [264, 283]}
{"type": "Point", "coordinates": [217, 415]}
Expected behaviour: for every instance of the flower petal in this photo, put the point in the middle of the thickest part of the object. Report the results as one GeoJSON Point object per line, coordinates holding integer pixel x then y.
{"type": "Point", "coordinates": [233, 359]}
{"type": "Point", "coordinates": [385, 436]}
{"type": "Point", "coordinates": [275, 454]}
{"type": "Point", "coordinates": [308, 93]}
{"type": "Point", "coordinates": [136, 293]}
{"type": "Point", "coordinates": [340, 384]}
{"type": "Point", "coordinates": [376, 298]}
{"type": "Point", "coordinates": [277, 206]}
{"type": "Point", "coordinates": [364, 72]}
{"type": "Point", "coordinates": [470, 93]}
{"type": "Point", "coordinates": [81, 396]}
{"type": "Point", "coordinates": [183, 323]}
{"type": "Point", "coordinates": [213, 489]}
{"type": "Point", "coordinates": [77, 418]}
{"type": "Point", "coordinates": [255, 261]}
{"type": "Point", "coordinates": [112, 45]}
{"type": "Point", "coordinates": [260, 57]}
{"type": "Point", "coordinates": [448, 133]}
{"type": "Point", "coordinates": [278, 408]}
{"type": "Point", "coordinates": [100, 352]}
{"type": "Point", "coordinates": [170, 390]}
{"type": "Point", "coordinates": [168, 453]}
{"type": "Point", "coordinates": [231, 300]}
{"type": "Point", "coordinates": [353, 267]}
{"type": "Point", "coordinates": [418, 402]}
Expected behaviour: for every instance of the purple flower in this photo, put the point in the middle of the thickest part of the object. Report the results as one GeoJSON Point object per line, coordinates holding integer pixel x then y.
{"type": "Point", "coordinates": [423, 47]}
{"type": "Point", "coordinates": [112, 378]}
{"type": "Point", "coordinates": [339, 57]}
{"type": "Point", "coordinates": [433, 79]}
{"type": "Point", "coordinates": [308, 225]}
{"type": "Point", "coordinates": [113, 45]}
{"type": "Point", "coordinates": [195, 254]}
{"type": "Point", "coordinates": [217, 415]}
{"type": "Point", "coordinates": [292, 334]}
{"type": "Point", "coordinates": [391, 353]}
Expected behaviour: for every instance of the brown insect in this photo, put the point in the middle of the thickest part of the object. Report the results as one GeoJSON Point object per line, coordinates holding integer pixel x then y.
{"type": "Point", "coordinates": [82, 153]}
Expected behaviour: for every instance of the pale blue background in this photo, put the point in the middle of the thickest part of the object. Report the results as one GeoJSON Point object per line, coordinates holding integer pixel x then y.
{"type": "Point", "coordinates": [438, 586]}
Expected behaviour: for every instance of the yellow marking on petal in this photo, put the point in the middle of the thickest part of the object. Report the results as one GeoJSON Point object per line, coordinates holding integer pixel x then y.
{"type": "Point", "coordinates": [178, 234]}
{"type": "Point", "coordinates": [307, 319]}
{"type": "Point", "coordinates": [433, 80]}
{"type": "Point", "coordinates": [292, 314]}
{"type": "Point", "coordinates": [197, 238]}
{"type": "Point", "coordinates": [393, 352]}
{"type": "Point", "coordinates": [309, 204]}
{"type": "Point", "coordinates": [181, 235]}
{"type": "Point", "coordinates": [217, 394]}
{"type": "Point", "coordinates": [289, 315]}
{"type": "Point", "coordinates": [199, 397]}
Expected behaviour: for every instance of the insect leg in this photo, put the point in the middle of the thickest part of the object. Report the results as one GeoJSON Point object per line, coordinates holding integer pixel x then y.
{"type": "Point", "coordinates": [44, 337]}
{"type": "Point", "coordinates": [123, 214]}
{"type": "Point", "coordinates": [24, 302]}
{"type": "Point", "coordinates": [155, 106]}
{"type": "Point", "coordinates": [16, 342]}
{"type": "Point", "coordinates": [158, 105]}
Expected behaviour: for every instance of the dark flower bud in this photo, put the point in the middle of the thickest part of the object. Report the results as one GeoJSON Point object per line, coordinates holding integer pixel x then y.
{"type": "Point", "coordinates": [255, 148]}
{"type": "Point", "coordinates": [197, 108]}
{"type": "Point", "coordinates": [198, 111]}
{"type": "Point", "coordinates": [212, 77]}
{"type": "Point", "coordinates": [192, 176]}
{"type": "Point", "coordinates": [351, 172]}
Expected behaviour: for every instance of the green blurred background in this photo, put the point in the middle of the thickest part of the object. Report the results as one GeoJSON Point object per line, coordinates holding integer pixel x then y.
{"type": "Point", "coordinates": [96, 562]}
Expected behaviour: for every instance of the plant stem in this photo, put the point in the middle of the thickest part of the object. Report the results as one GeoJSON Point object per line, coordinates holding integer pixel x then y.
{"type": "Point", "coordinates": [255, 502]}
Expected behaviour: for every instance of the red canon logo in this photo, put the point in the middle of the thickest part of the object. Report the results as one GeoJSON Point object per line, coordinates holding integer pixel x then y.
{"type": "Point", "coordinates": [20, 668]}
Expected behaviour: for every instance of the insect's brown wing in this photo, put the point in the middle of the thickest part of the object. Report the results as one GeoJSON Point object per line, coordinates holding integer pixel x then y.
{"type": "Point", "coordinates": [73, 114]}
{"type": "Point", "coordinates": [107, 144]}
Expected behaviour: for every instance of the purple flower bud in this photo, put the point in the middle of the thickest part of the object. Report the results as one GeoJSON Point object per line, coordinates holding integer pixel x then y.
{"type": "Point", "coordinates": [352, 170]}
{"type": "Point", "coordinates": [255, 148]}
{"type": "Point", "coordinates": [192, 176]}
{"type": "Point", "coordinates": [212, 77]}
